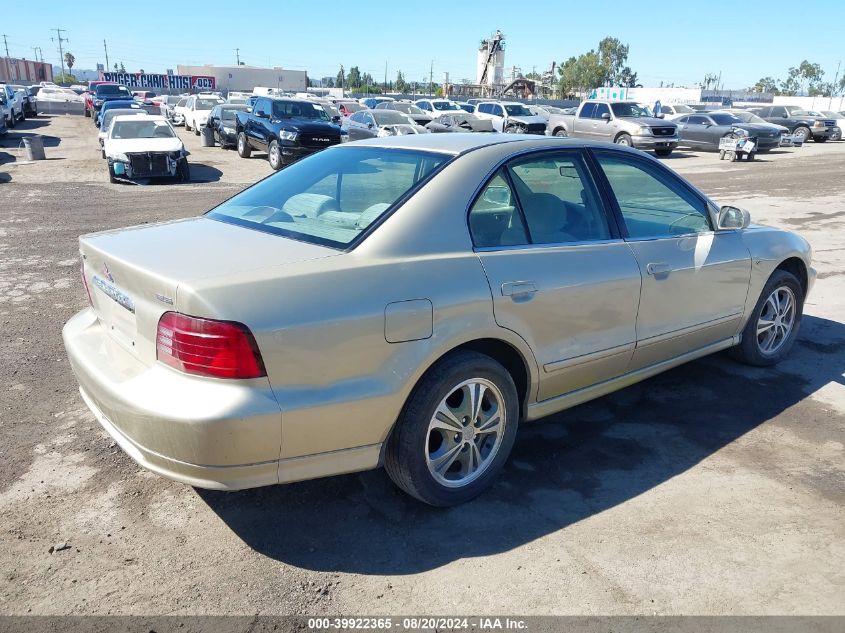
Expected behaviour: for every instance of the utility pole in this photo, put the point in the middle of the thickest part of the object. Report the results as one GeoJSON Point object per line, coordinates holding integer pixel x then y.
{"type": "Point", "coordinates": [385, 76]}
{"type": "Point", "coordinates": [106, 49]}
{"type": "Point", "coordinates": [6, 44]}
{"type": "Point", "coordinates": [430, 78]}
{"type": "Point", "coordinates": [833, 88]}
{"type": "Point", "coordinates": [238, 56]}
{"type": "Point", "coordinates": [61, 52]}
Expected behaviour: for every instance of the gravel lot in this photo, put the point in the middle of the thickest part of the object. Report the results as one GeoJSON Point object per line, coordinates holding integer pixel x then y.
{"type": "Point", "coordinates": [711, 489]}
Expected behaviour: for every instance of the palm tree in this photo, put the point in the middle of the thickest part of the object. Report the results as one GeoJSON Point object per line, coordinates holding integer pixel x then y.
{"type": "Point", "coordinates": [70, 60]}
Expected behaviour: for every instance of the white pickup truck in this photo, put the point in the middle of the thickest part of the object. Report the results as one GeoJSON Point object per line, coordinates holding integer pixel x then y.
{"type": "Point", "coordinates": [621, 122]}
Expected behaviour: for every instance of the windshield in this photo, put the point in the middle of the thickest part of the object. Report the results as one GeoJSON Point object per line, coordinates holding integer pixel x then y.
{"type": "Point", "coordinates": [206, 104]}
{"type": "Point", "coordinates": [330, 110]}
{"type": "Point", "coordinates": [625, 110]}
{"type": "Point", "coordinates": [353, 107]}
{"type": "Point", "coordinates": [390, 117]}
{"type": "Point", "coordinates": [330, 197]}
{"type": "Point", "coordinates": [444, 105]}
{"type": "Point", "coordinates": [682, 109]}
{"type": "Point", "coordinates": [517, 109]}
{"type": "Point", "coordinates": [748, 117]}
{"type": "Point", "coordinates": [228, 114]}
{"type": "Point", "coordinates": [724, 118]}
{"type": "Point", "coordinates": [109, 90]}
{"type": "Point", "coordinates": [141, 129]}
{"type": "Point", "coordinates": [298, 110]}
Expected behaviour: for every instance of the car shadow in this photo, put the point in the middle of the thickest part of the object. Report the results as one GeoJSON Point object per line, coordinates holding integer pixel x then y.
{"type": "Point", "coordinates": [29, 124]}
{"type": "Point", "coordinates": [200, 172]}
{"type": "Point", "coordinates": [678, 154]}
{"type": "Point", "coordinates": [4, 177]}
{"type": "Point", "coordinates": [562, 470]}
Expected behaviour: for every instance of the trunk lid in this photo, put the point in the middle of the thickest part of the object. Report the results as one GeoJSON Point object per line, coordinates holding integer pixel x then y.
{"type": "Point", "coordinates": [134, 274]}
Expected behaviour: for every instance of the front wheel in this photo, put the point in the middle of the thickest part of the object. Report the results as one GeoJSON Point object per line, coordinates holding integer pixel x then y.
{"type": "Point", "coordinates": [112, 178]}
{"type": "Point", "coordinates": [560, 133]}
{"type": "Point", "coordinates": [771, 330]}
{"type": "Point", "coordinates": [663, 153]}
{"type": "Point", "coordinates": [624, 140]}
{"type": "Point", "coordinates": [820, 139]}
{"type": "Point", "coordinates": [455, 432]}
{"type": "Point", "coordinates": [801, 134]}
{"type": "Point", "coordinates": [837, 135]}
{"type": "Point", "coordinates": [274, 155]}
{"type": "Point", "coordinates": [244, 150]}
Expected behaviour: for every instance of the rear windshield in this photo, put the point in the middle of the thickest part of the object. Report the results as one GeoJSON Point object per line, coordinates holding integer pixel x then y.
{"type": "Point", "coordinates": [331, 197]}
{"type": "Point", "coordinates": [111, 89]}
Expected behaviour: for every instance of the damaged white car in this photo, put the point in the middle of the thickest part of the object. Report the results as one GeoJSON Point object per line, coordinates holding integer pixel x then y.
{"type": "Point", "coordinates": [144, 147]}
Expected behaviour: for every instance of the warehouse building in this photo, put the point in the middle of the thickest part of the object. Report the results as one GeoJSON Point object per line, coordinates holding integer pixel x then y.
{"type": "Point", "coordinates": [245, 78]}
{"type": "Point", "coordinates": [24, 71]}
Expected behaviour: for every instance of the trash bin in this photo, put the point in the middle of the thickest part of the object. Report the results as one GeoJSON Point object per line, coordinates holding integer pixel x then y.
{"type": "Point", "coordinates": [207, 137]}
{"type": "Point", "coordinates": [34, 148]}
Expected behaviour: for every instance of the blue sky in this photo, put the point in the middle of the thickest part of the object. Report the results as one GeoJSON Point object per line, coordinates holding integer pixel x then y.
{"type": "Point", "coordinates": [669, 41]}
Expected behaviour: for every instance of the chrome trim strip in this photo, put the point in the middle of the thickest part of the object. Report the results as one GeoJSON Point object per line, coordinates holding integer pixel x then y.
{"type": "Point", "coordinates": [588, 358]}
{"type": "Point", "coordinates": [115, 294]}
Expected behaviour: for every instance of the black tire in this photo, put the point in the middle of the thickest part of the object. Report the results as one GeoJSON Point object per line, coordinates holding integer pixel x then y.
{"type": "Point", "coordinates": [560, 132]}
{"type": "Point", "coordinates": [184, 171]}
{"type": "Point", "coordinates": [87, 113]}
{"type": "Point", "coordinates": [10, 123]}
{"type": "Point", "coordinates": [102, 153]}
{"type": "Point", "coordinates": [663, 153]}
{"type": "Point", "coordinates": [803, 131]}
{"type": "Point", "coordinates": [836, 136]}
{"type": "Point", "coordinates": [196, 131]}
{"type": "Point", "coordinates": [244, 150]}
{"type": "Point", "coordinates": [111, 173]}
{"type": "Point", "coordinates": [187, 128]}
{"type": "Point", "coordinates": [751, 156]}
{"type": "Point", "coordinates": [274, 156]}
{"type": "Point", "coordinates": [749, 351]}
{"type": "Point", "coordinates": [820, 139]}
{"type": "Point", "coordinates": [406, 450]}
{"type": "Point", "coordinates": [625, 140]}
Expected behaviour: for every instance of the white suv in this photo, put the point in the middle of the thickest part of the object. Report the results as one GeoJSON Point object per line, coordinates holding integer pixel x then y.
{"type": "Point", "coordinates": [196, 110]}
{"type": "Point", "coordinates": [13, 106]}
{"type": "Point", "coordinates": [511, 117]}
{"type": "Point", "coordinates": [435, 107]}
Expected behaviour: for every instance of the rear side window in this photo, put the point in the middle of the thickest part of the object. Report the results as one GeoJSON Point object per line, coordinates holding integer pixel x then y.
{"type": "Point", "coordinates": [653, 204]}
{"type": "Point", "coordinates": [494, 219]}
{"type": "Point", "coordinates": [330, 197]}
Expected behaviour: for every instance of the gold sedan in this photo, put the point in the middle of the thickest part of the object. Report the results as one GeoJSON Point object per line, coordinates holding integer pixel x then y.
{"type": "Point", "coordinates": [407, 301]}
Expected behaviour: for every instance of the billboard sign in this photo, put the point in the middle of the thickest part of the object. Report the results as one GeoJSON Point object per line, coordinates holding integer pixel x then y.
{"type": "Point", "coordinates": [162, 82]}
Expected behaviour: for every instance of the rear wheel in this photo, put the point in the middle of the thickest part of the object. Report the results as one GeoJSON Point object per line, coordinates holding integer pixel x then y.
{"type": "Point", "coordinates": [625, 140]}
{"type": "Point", "coordinates": [773, 326]}
{"type": "Point", "coordinates": [244, 150]}
{"type": "Point", "coordinates": [560, 132]}
{"type": "Point", "coordinates": [184, 171]}
{"type": "Point", "coordinates": [274, 155]}
{"type": "Point", "coordinates": [456, 431]}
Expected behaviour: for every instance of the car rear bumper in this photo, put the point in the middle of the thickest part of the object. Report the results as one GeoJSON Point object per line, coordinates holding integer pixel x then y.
{"type": "Point", "coordinates": [655, 142]}
{"type": "Point", "coordinates": [204, 432]}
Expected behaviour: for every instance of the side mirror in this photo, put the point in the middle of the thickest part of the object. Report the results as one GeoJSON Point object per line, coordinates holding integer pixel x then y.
{"type": "Point", "coordinates": [370, 125]}
{"type": "Point", "coordinates": [733, 218]}
{"type": "Point", "coordinates": [785, 116]}
{"type": "Point", "coordinates": [605, 116]}
{"type": "Point", "coordinates": [336, 119]}
{"type": "Point", "coordinates": [659, 115]}
{"type": "Point", "coordinates": [261, 114]}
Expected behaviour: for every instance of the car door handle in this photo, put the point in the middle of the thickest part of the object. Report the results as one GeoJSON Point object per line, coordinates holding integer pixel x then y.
{"type": "Point", "coordinates": [658, 269]}
{"type": "Point", "coordinates": [518, 288]}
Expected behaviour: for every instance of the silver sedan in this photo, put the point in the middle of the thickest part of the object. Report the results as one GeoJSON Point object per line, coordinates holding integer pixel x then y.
{"type": "Point", "coordinates": [408, 301]}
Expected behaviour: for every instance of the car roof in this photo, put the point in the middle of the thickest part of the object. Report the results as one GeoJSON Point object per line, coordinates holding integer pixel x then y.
{"type": "Point", "coordinates": [459, 143]}
{"type": "Point", "coordinates": [132, 117]}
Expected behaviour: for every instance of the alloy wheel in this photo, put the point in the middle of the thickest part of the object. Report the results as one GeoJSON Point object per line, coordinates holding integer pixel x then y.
{"type": "Point", "coordinates": [776, 320]}
{"type": "Point", "coordinates": [465, 433]}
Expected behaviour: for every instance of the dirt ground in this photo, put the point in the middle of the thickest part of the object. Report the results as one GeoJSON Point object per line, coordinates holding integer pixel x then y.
{"type": "Point", "coordinates": [713, 488]}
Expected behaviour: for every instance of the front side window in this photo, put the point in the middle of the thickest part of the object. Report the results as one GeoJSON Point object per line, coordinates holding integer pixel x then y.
{"type": "Point", "coordinates": [653, 204]}
{"type": "Point", "coordinates": [558, 200]}
{"type": "Point", "coordinates": [625, 110]}
{"type": "Point", "coordinates": [330, 197]}
{"type": "Point", "coordinates": [601, 108]}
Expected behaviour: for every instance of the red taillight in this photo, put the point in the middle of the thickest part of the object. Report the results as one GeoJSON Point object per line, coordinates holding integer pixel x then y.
{"type": "Point", "coordinates": [85, 283]}
{"type": "Point", "coordinates": [205, 347]}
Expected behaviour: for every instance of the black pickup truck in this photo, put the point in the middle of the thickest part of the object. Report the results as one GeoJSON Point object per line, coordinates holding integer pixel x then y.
{"type": "Point", "coordinates": [799, 121]}
{"type": "Point", "coordinates": [287, 129]}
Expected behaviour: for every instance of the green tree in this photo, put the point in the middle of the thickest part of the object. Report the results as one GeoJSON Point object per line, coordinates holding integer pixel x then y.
{"type": "Point", "coordinates": [354, 78]}
{"type": "Point", "coordinates": [341, 78]}
{"type": "Point", "coordinates": [66, 78]}
{"type": "Point", "coordinates": [401, 85]}
{"type": "Point", "coordinates": [628, 78]}
{"type": "Point", "coordinates": [612, 55]}
{"type": "Point", "coordinates": [766, 84]}
{"type": "Point", "coordinates": [70, 60]}
{"type": "Point", "coordinates": [581, 74]}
